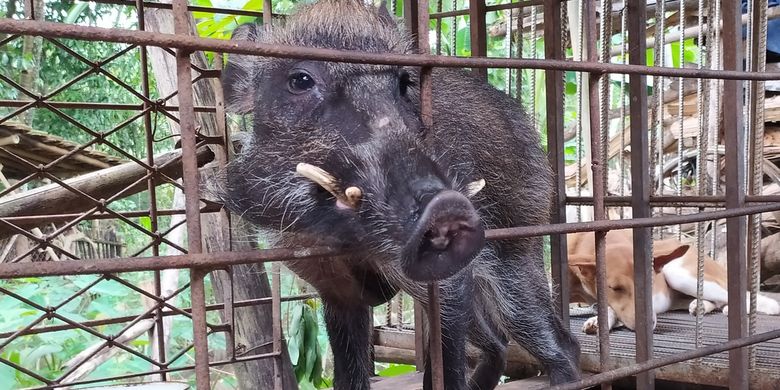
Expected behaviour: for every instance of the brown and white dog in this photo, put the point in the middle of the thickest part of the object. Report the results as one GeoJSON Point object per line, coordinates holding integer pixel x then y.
{"type": "Point", "coordinates": [674, 279]}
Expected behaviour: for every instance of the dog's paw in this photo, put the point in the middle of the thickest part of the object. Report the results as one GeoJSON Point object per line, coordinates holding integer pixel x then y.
{"type": "Point", "coordinates": [708, 306]}
{"type": "Point", "coordinates": [725, 310]}
{"type": "Point", "coordinates": [591, 325]}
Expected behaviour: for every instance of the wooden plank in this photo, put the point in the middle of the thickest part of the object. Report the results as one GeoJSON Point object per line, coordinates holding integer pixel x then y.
{"type": "Point", "coordinates": [145, 386]}
{"type": "Point", "coordinates": [411, 381]}
{"type": "Point", "coordinates": [537, 382]}
{"type": "Point", "coordinates": [414, 380]}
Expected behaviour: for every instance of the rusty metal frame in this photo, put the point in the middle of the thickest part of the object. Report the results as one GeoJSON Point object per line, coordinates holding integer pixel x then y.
{"type": "Point", "coordinates": [417, 15]}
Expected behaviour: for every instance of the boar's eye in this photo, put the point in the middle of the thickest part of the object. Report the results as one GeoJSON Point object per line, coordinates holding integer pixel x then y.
{"type": "Point", "coordinates": [404, 82]}
{"type": "Point", "coordinates": [299, 81]}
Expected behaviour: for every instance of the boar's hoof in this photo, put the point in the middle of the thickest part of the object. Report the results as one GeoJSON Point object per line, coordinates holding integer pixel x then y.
{"type": "Point", "coordinates": [446, 237]}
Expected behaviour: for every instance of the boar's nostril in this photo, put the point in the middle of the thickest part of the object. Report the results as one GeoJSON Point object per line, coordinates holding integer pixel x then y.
{"type": "Point", "coordinates": [446, 237]}
{"type": "Point", "coordinates": [439, 236]}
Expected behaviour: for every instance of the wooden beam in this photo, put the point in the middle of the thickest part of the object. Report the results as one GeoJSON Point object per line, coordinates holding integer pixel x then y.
{"type": "Point", "coordinates": [102, 184]}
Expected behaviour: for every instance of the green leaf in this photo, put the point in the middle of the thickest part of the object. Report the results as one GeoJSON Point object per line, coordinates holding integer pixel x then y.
{"type": "Point", "coordinates": [649, 57]}
{"type": "Point", "coordinates": [295, 337]}
{"type": "Point", "coordinates": [396, 369]}
{"type": "Point", "coordinates": [691, 52]}
{"type": "Point", "coordinates": [306, 385]}
{"type": "Point", "coordinates": [571, 88]}
{"type": "Point", "coordinates": [146, 222]}
{"type": "Point", "coordinates": [675, 54]}
{"type": "Point", "coordinates": [253, 5]}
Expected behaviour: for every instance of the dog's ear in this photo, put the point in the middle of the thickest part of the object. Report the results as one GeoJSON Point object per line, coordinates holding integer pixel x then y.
{"type": "Point", "coordinates": [585, 271]}
{"type": "Point", "coordinates": [664, 254]}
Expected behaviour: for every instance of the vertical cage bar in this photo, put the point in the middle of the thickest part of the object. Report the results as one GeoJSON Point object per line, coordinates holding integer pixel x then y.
{"type": "Point", "coordinates": [599, 131]}
{"type": "Point", "coordinates": [438, 27]}
{"type": "Point", "coordinates": [454, 31]}
{"type": "Point", "coordinates": [276, 314]}
{"type": "Point", "coordinates": [191, 194]}
{"type": "Point", "coordinates": [420, 347]}
{"type": "Point", "coordinates": [553, 49]}
{"type": "Point", "coordinates": [701, 169]}
{"type": "Point", "coordinates": [410, 17]}
{"type": "Point", "coordinates": [640, 192]}
{"type": "Point", "coordinates": [426, 113]}
{"type": "Point", "coordinates": [159, 330]}
{"type": "Point", "coordinates": [735, 190]}
{"type": "Point", "coordinates": [478, 33]}
{"type": "Point", "coordinates": [200, 335]}
{"type": "Point", "coordinates": [412, 22]}
{"type": "Point", "coordinates": [680, 116]}
{"type": "Point", "coordinates": [758, 35]}
{"type": "Point", "coordinates": [657, 155]}
{"type": "Point", "coordinates": [267, 14]}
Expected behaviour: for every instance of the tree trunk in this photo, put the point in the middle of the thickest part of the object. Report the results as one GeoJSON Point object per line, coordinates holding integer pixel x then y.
{"type": "Point", "coordinates": [253, 325]}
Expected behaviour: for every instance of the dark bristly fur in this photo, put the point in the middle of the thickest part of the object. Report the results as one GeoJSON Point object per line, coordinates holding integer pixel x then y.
{"type": "Point", "coordinates": [361, 123]}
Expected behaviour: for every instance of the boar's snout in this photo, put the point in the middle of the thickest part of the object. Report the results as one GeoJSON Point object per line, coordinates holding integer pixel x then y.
{"type": "Point", "coordinates": [446, 237]}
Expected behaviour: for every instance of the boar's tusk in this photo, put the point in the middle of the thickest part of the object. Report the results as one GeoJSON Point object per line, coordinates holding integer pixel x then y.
{"type": "Point", "coordinates": [319, 176]}
{"type": "Point", "coordinates": [474, 187]}
{"type": "Point", "coordinates": [354, 195]}
{"type": "Point", "coordinates": [350, 198]}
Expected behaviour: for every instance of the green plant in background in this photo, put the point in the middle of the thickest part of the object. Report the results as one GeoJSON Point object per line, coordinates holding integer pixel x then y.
{"type": "Point", "coordinates": [304, 347]}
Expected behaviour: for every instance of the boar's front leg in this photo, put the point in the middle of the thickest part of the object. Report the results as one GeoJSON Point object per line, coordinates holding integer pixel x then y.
{"type": "Point", "coordinates": [530, 318]}
{"type": "Point", "coordinates": [456, 316]}
{"type": "Point", "coordinates": [349, 331]}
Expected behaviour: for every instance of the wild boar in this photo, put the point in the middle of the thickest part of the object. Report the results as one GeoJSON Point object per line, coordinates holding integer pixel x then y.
{"type": "Point", "coordinates": [338, 156]}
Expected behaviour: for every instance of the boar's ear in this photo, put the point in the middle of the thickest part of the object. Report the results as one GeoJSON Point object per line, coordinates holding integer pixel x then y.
{"type": "Point", "coordinates": [238, 74]}
{"type": "Point", "coordinates": [664, 255]}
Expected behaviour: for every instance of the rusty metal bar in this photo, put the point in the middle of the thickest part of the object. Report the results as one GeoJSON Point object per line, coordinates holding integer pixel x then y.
{"type": "Point", "coordinates": [191, 193]}
{"type": "Point", "coordinates": [420, 348]}
{"type": "Point", "coordinates": [159, 326]}
{"type": "Point", "coordinates": [26, 27]}
{"type": "Point", "coordinates": [224, 259]}
{"type": "Point", "coordinates": [190, 8]}
{"type": "Point", "coordinates": [200, 335]}
{"type": "Point", "coordinates": [640, 193]}
{"type": "Point", "coordinates": [276, 314]}
{"type": "Point", "coordinates": [410, 16]}
{"type": "Point", "coordinates": [213, 260]}
{"type": "Point", "coordinates": [426, 114]}
{"type": "Point", "coordinates": [623, 372]}
{"type": "Point", "coordinates": [495, 7]}
{"type": "Point", "coordinates": [28, 330]}
{"type": "Point", "coordinates": [587, 382]}
{"type": "Point", "coordinates": [598, 165]}
{"type": "Point", "coordinates": [102, 106]}
{"type": "Point", "coordinates": [27, 220]}
{"type": "Point", "coordinates": [435, 335]}
{"type": "Point", "coordinates": [685, 200]}
{"type": "Point", "coordinates": [478, 32]}
{"type": "Point", "coordinates": [555, 146]}
{"type": "Point", "coordinates": [735, 190]}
